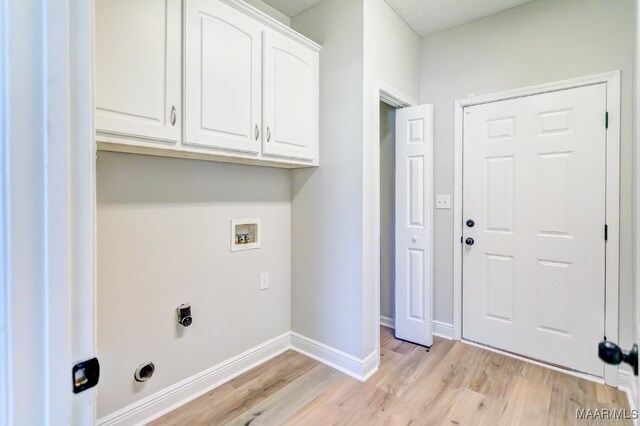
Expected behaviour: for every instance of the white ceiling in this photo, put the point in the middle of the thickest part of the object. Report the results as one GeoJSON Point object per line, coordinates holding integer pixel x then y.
{"type": "Point", "coordinates": [430, 16]}
{"type": "Point", "coordinates": [424, 16]}
{"type": "Point", "coordinates": [292, 7]}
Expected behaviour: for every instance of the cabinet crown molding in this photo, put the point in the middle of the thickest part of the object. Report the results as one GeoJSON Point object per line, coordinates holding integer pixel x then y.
{"type": "Point", "coordinates": [275, 25]}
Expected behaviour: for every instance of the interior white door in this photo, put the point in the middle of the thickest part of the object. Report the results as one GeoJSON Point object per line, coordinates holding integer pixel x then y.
{"type": "Point", "coordinates": [138, 68]}
{"type": "Point", "coordinates": [534, 256]}
{"type": "Point", "coordinates": [223, 77]}
{"type": "Point", "coordinates": [290, 98]}
{"type": "Point", "coordinates": [414, 195]}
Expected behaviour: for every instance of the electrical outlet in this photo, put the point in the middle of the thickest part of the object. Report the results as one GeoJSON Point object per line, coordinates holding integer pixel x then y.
{"type": "Point", "coordinates": [443, 201]}
{"type": "Point", "coordinates": [264, 281]}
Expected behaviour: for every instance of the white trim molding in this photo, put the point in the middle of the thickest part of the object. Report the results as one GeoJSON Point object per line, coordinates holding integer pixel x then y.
{"type": "Point", "coordinates": [357, 368]}
{"type": "Point", "coordinates": [272, 23]}
{"type": "Point", "coordinates": [382, 92]}
{"type": "Point", "coordinates": [47, 209]}
{"type": "Point", "coordinates": [628, 383]}
{"type": "Point", "coordinates": [443, 329]}
{"type": "Point", "coordinates": [4, 218]}
{"type": "Point", "coordinates": [172, 397]}
{"type": "Point", "coordinates": [387, 322]}
{"type": "Point", "coordinates": [612, 81]}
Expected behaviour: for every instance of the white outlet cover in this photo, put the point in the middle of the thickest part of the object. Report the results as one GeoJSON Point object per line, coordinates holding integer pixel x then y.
{"type": "Point", "coordinates": [443, 201]}
{"type": "Point", "coordinates": [264, 281]}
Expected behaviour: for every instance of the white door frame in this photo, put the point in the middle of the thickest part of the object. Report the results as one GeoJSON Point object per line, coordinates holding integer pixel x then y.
{"type": "Point", "coordinates": [612, 80]}
{"type": "Point", "coordinates": [395, 98]}
{"type": "Point", "coordinates": [47, 209]}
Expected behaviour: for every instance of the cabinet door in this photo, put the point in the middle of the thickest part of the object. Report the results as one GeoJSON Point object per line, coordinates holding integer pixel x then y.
{"type": "Point", "coordinates": [138, 68]}
{"type": "Point", "coordinates": [290, 99]}
{"type": "Point", "coordinates": [222, 77]}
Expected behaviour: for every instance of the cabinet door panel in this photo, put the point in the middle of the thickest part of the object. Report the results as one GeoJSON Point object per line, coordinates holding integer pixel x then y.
{"type": "Point", "coordinates": [222, 78]}
{"type": "Point", "coordinates": [290, 99]}
{"type": "Point", "coordinates": [138, 68]}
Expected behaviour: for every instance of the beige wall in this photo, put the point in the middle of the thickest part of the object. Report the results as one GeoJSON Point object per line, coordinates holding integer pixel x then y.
{"type": "Point", "coordinates": [334, 206]}
{"type": "Point", "coordinates": [164, 239]}
{"type": "Point", "coordinates": [327, 201]}
{"type": "Point", "coordinates": [391, 56]}
{"type": "Point", "coordinates": [541, 41]}
{"type": "Point", "coordinates": [387, 210]}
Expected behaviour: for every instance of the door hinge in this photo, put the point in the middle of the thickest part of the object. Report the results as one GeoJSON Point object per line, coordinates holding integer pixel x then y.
{"type": "Point", "coordinates": [606, 232]}
{"type": "Point", "coordinates": [606, 120]}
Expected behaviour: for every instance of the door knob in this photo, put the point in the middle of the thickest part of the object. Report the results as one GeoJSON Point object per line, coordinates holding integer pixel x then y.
{"type": "Point", "coordinates": [611, 353]}
{"type": "Point", "coordinates": [471, 223]}
{"type": "Point", "coordinates": [469, 241]}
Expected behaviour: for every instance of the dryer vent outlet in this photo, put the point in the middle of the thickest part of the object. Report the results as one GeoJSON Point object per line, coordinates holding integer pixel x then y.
{"type": "Point", "coordinates": [144, 372]}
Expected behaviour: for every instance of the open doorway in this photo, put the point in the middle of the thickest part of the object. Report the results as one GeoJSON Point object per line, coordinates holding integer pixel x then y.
{"type": "Point", "coordinates": [404, 216]}
{"type": "Point", "coordinates": [387, 214]}
{"type": "Point", "coordinates": [403, 188]}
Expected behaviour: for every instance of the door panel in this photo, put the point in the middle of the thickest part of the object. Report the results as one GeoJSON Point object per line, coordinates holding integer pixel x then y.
{"type": "Point", "coordinates": [413, 224]}
{"type": "Point", "coordinates": [223, 77]}
{"type": "Point", "coordinates": [138, 98]}
{"type": "Point", "coordinates": [534, 183]}
{"type": "Point", "coordinates": [290, 99]}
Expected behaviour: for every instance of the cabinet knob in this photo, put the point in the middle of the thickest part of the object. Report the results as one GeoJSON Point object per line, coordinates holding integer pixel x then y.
{"type": "Point", "coordinates": [268, 134]}
{"type": "Point", "coordinates": [173, 115]}
{"type": "Point", "coordinates": [257, 132]}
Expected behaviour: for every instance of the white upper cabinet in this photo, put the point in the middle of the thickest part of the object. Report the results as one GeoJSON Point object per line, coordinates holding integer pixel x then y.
{"type": "Point", "coordinates": [223, 72]}
{"type": "Point", "coordinates": [138, 69]}
{"type": "Point", "coordinates": [290, 113]}
{"type": "Point", "coordinates": [207, 79]}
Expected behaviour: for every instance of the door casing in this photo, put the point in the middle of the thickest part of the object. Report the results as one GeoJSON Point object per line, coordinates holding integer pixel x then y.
{"type": "Point", "coordinates": [612, 81]}
{"type": "Point", "coordinates": [383, 92]}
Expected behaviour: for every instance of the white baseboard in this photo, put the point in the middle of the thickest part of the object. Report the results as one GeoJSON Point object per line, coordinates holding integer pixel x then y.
{"type": "Point", "coordinates": [174, 396]}
{"type": "Point", "coordinates": [443, 329]}
{"type": "Point", "coordinates": [628, 383]}
{"type": "Point", "coordinates": [357, 368]}
{"type": "Point", "coordinates": [387, 322]}
{"type": "Point", "coordinates": [440, 329]}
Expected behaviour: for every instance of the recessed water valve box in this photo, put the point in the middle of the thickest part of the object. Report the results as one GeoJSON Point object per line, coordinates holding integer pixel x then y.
{"type": "Point", "coordinates": [245, 234]}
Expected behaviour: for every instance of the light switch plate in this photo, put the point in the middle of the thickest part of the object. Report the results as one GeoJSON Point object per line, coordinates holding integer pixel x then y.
{"type": "Point", "coordinates": [264, 281]}
{"type": "Point", "coordinates": [443, 201]}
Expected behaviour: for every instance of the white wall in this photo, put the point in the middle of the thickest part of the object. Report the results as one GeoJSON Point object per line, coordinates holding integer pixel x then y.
{"type": "Point", "coordinates": [392, 56]}
{"type": "Point", "coordinates": [327, 201]}
{"type": "Point", "coordinates": [334, 207]}
{"type": "Point", "coordinates": [387, 210]}
{"type": "Point", "coordinates": [636, 201]}
{"type": "Point", "coordinates": [164, 239]}
{"type": "Point", "coordinates": [541, 41]}
{"type": "Point", "coordinates": [274, 13]}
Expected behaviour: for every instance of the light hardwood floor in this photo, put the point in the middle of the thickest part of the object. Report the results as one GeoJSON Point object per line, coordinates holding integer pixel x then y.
{"type": "Point", "coordinates": [452, 384]}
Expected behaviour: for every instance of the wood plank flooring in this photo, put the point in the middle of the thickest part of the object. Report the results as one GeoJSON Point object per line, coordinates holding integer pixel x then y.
{"type": "Point", "coordinates": [452, 384]}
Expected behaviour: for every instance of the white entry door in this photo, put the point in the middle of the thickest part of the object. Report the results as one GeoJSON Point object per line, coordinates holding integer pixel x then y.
{"type": "Point", "coordinates": [414, 194]}
{"type": "Point", "coordinates": [534, 226]}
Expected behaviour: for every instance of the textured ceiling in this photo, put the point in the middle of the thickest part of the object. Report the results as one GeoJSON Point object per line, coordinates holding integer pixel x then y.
{"type": "Point", "coordinates": [292, 7]}
{"type": "Point", "coordinates": [430, 16]}
{"type": "Point", "coordinates": [424, 16]}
